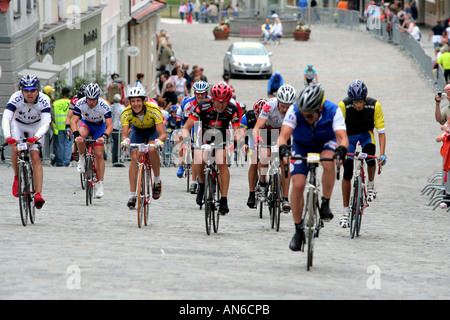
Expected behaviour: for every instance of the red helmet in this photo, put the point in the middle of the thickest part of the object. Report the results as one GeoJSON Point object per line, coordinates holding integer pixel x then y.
{"type": "Point", "coordinates": [257, 107]}
{"type": "Point", "coordinates": [221, 92]}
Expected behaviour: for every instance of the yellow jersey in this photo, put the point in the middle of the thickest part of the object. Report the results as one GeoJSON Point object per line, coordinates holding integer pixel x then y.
{"type": "Point", "coordinates": [150, 118]}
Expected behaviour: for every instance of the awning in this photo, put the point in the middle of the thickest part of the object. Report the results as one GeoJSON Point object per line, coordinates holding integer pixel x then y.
{"type": "Point", "coordinates": [52, 68]}
{"type": "Point", "coordinates": [153, 8]}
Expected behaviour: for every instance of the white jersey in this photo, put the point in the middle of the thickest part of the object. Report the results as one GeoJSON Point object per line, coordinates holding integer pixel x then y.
{"type": "Point", "coordinates": [272, 114]}
{"type": "Point", "coordinates": [95, 115]}
{"type": "Point", "coordinates": [37, 115]}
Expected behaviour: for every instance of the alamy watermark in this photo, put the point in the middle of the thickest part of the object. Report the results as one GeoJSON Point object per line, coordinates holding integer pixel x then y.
{"type": "Point", "coordinates": [374, 280]}
{"type": "Point", "coordinates": [74, 279]}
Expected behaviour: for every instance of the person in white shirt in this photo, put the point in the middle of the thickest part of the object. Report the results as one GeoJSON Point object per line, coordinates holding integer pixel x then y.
{"type": "Point", "coordinates": [277, 30]}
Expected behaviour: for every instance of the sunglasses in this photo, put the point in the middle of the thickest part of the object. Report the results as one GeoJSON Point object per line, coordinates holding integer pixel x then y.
{"type": "Point", "coordinates": [30, 90]}
{"type": "Point", "coordinates": [359, 101]}
{"type": "Point", "coordinates": [284, 105]}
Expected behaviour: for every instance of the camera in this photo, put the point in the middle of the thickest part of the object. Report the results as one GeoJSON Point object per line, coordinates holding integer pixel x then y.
{"type": "Point", "coordinates": [439, 94]}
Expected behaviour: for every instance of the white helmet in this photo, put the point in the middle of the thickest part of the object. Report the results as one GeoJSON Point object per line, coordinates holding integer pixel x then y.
{"type": "Point", "coordinates": [137, 92]}
{"type": "Point", "coordinates": [286, 94]}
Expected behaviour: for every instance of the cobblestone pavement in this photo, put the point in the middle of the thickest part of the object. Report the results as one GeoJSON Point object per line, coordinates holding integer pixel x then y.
{"type": "Point", "coordinates": [97, 252]}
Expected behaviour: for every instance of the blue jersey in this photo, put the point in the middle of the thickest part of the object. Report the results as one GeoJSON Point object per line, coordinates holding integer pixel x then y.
{"type": "Point", "coordinates": [330, 120]}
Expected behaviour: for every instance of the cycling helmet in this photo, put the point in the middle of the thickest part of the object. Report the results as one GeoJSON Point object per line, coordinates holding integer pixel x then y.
{"type": "Point", "coordinates": [257, 107]}
{"type": "Point", "coordinates": [173, 108]}
{"type": "Point", "coordinates": [29, 82]}
{"type": "Point", "coordinates": [80, 92]}
{"type": "Point", "coordinates": [92, 91]}
{"type": "Point", "coordinates": [310, 65]}
{"type": "Point", "coordinates": [137, 92]}
{"type": "Point", "coordinates": [286, 94]}
{"type": "Point", "coordinates": [200, 87]}
{"type": "Point", "coordinates": [311, 98]}
{"type": "Point", "coordinates": [357, 90]}
{"type": "Point", "coordinates": [221, 92]}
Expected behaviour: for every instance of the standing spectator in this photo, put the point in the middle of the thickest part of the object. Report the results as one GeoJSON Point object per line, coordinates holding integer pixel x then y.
{"type": "Point", "coordinates": [197, 8]}
{"type": "Point", "coordinates": [166, 54]}
{"type": "Point", "coordinates": [180, 83]}
{"type": "Point", "coordinates": [204, 12]}
{"type": "Point", "coordinates": [442, 111]}
{"type": "Point", "coordinates": [139, 79]}
{"type": "Point", "coordinates": [171, 65]}
{"type": "Point", "coordinates": [48, 91]}
{"type": "Point", "coordinates": [189, 11]}
{"type": "Point", "coordinates": [116, 111]}
{"type": "Point", "coordinates": [213, 12]}
{"type": "Point", "coordinates": [302, 4]}
{"type": "Point", "coordinates": [182, 11]}
{"type": "Point", "coordinates": [188, 78]}
{"type": "Point", "coordinates": [444, 60]}
{"type": "Point", "coordinates": [169, 96]}
{"type": "Point", "coordinates": [62, 147]}
{"type": "Point", "coordinates": [201, 75]}
{"type": "Point", "coordinates": [436, 34]}
{"type": "Point", "coordinates": [414, 11]}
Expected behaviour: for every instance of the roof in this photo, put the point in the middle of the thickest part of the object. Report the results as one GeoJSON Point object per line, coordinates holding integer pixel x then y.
{"type": "Point", "coordinates": [151, 9]}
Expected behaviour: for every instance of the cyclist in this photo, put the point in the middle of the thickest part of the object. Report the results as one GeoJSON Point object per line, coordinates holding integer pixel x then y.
{"type": "Point", "coordinates": [146, 122]}
{"type": "Point", "coordinates": [271, 120]}
{"type": "Point", "coordinates": [247, 124]}
{"type": "Point", "coordinates": [200, 89]}
{"type": "Point", "coordinates": [96, 121]}
{"type": "Point", "coordinates": [215, 115]}
{"type": "Point", "coordinates": [310, 75]}
{"type": "Point", "coordinates": [362, 114]}
{"type": "Point", "coordinates": [275, 82]}
{"type": "Point", "coordinates": [27, 114]}
{"type": "Point", "coordinates": [316, 125]}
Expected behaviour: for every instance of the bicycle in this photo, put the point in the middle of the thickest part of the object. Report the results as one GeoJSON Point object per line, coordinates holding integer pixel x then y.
{"type": "Point", "coordinates": [187, 164]}
{"type": "Point", "coordinates": [144, 183]}
{"type": "Point", "coordinates": [90, 172]}
{"type": "Point", "coordinates": [275, 189]}
{"type": "Point", "coordinates": [310, 213]}
{"type": "Point", "coordinates": [358, 201]}
{"type": "Point", "coordinates": [26, 190]}
{"type": "Point", "coordinates": [212, 191]}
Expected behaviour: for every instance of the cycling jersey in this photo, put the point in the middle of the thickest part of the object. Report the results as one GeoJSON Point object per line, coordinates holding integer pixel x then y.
{"type": "Point", "coordinates": [25, 115]}
{"type": "Point", "coordinates": [149, 119]}
{"type": "Point", "coordinates": [330, 120]}
{"type": "Point", "coordinates": [212, 121]}
{"type": "Point", "coordinates": [248, 121]}
{"type": "Point", "coordinates": [186, 106]}
{"type": "Point", "coordinates": [272, 114]}
{"type": "Point", "coordinates": [95, 115]}
{"type": "Point", "coordinates": [310, 74]}
{"type": "Point", "coordinates": [370, 117]}
{"type": "Point", "coordinates": [73, 102]}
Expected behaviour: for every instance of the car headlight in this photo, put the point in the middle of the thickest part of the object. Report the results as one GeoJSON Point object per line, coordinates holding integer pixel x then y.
{"type": "Point", "coordinates": [237, 64]}
{"type": "Point", "coordinates": [267, 64]}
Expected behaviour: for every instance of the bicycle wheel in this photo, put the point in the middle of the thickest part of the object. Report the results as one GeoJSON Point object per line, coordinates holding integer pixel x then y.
{"type": "Point", "coordinates": [216, 215]}
{"type": "Point", "coordinates": [188, 175]}
{"type": "Point", "coordinates": [360, 212]}
{"type": "Point", "coordinates": [311, 223]}
{"type": "Point", "coordinates": [209, 202]}
{"type": "Point", "coordinates": [31, 194]}
{"type": "Point", "coordinates": [88, 176]}
{"type": "Point", "coordinates": [271, 200]}
{"type": "Point", "coordinates": [140, 195]}
{"type": "Point", "coordinates": [148, 194]}
{"type": "Point", "coordinates": [23, 190]}
{"type": "Point", "coordinates": [278, 205]}
{"type": "Point", "coordinates": [355, 207]}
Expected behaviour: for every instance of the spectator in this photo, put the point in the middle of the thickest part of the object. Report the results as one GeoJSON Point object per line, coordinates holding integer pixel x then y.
{"type": "Point", "coordinates": [205, 12]}
{"type": "Point", "coordinates": [116, 111]}
{"type": "Point", "coordinates": [277, 31]}
{"type": "Point", "coordinates": [273, 14]}
{"type": "Point", "coordinates": [266, 30]}
{"type": "Point", "coordinates": [169, 96]}
{"type": "Point", "coordinates": [62, 146]}
{"type": "Point", "coordinates": [166, 54]}
{"type": "Point", "coordinates": [139, 79]}
{"type": "Point", "coordinates": [444, 60]}
{"type": "Point", "coordinates": [275, 82]}
{"type": "Point", "coordinates": [436, 34]}
{"type": "Point", "coordinates": [188, 78]}
{"type": "Point", "coordinates": [201, 75]}
{"type": "Point", "coordinates": [442, 111]}
{"type": "Point", "coordinates": [180, 83]}
{"type": "Point", "coordinates": [197, 8]}
{"type": "Point", "coordinates": [171, 65]}
{"type": "Point", "coordinates": [302, 4]}
{"type": "Point", "coordinates": [182, 11]}
{"type": "Point", "coordinates": [213, 12]}
{"type": "Point", "coordinates": [342, 5]}
{"type": "Point", "coordinates": [414, 31]}
{"type": "Point", "coordinates": [189, 11]}
{"type": "Point", "coordinates": [414, 11]}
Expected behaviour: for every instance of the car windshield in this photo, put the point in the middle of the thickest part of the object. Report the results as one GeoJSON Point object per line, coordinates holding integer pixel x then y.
{"type": "Point", "coordinates": [249, 51]}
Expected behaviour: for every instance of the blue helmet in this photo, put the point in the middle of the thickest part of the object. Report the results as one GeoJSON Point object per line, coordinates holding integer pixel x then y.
{"type": "Point", "coordinates": [200, 87]}
{"type": "Point", "coordinates": [29, 82]}
{"type": "Point", "coordinates": [173, 108]}
{"type": "Point", "coordinates": [357, 90]}
{"type": "Point", "coordinates": [92, 91]}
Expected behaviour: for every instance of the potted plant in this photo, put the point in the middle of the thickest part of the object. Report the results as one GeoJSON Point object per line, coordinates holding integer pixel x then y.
{"type": "Point", "coordinates": [222, 30]}
{"type": "Point", "coordinates": [302, 32]}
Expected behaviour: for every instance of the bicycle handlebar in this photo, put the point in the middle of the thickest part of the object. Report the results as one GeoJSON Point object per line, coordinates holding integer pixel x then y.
{"type": "Point", "coordinates": [365, 156]}
{"type": "Point", "coordinates": [338, 170]}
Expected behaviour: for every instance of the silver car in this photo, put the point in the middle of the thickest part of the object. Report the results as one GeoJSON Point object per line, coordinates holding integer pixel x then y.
{"type": "Point", "coordinates": [247, 58]}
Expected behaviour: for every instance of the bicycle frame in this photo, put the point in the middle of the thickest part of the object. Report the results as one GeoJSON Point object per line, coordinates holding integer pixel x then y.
{"type": "Point", "coordinates": [212, 190]}
{"type": "Point", "coordinates": [90, 177]}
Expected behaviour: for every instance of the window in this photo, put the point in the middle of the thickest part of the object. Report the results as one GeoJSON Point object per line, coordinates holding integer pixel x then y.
{"type": "Point", "coordinates": [16, 9]}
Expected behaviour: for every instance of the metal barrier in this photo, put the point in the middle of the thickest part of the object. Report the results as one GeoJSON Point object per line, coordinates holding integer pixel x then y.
{"type": "Point", "coordinates": [406, 42]}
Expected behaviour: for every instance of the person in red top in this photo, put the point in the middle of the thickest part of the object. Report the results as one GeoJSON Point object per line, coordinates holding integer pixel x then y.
{"type": "Point", "coordinates": [73, 102]}
{"type": "Point", "coordinates": [215, 116]}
